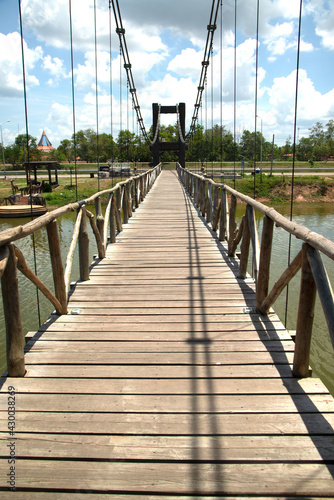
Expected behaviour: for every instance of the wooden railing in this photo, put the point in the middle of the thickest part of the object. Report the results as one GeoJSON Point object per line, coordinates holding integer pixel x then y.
{"type": "Point", "coordinates": [211, 199]}
{"type": "Point", "coordinates": [122, 200]}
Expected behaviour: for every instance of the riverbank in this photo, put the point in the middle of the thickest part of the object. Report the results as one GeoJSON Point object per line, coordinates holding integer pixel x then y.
{"type": "Point", "coordinates": [268, 189]}
{"type": "Point", "coordinates": [278, 189]}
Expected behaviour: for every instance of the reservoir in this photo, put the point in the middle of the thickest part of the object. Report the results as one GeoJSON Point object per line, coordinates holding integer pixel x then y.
{"type": "Point", "coordinates": [316, 216]}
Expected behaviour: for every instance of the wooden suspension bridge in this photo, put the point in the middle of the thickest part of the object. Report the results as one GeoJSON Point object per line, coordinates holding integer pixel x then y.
{"type": "Point", "coordinates": [166, 373]}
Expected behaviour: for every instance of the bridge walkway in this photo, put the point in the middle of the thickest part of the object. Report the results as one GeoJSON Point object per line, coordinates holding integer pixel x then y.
{"type": "Point", "coordinates": [166, 383]}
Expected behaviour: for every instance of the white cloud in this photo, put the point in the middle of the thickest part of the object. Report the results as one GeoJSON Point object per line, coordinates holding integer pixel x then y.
{"type": "Point", "coordinates": [11, 77]}
{"type": "Point", "coordinates": [312, 105]}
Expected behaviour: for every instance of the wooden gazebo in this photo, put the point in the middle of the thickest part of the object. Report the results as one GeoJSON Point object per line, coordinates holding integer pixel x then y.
{"type": "Point", "coordinates": [50, 165]}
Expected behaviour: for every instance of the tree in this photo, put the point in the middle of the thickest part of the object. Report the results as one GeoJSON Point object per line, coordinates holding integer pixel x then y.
{"type": "Point", "coordinates": [247, 145]}
{"type": "Point", "coordinates": [13, 154]}
{"type": "Point", "coordinates": [317, 134]}
{"type": "Point", "coordinates": [66, 149]}
{"type": "Point", "coordinates": [21, 141]}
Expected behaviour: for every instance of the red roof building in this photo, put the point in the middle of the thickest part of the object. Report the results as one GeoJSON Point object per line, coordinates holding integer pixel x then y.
{"type": "Point", "coordinates": [44, 143]}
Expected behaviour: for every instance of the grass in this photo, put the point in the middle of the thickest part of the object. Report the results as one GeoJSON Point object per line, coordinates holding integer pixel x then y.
{"type": "Point", "coordinates": [278, 188]}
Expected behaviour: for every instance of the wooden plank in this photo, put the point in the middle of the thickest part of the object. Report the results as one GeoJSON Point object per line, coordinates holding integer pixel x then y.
{"type": "Point", "coordinates": [207, 424]}
{"type": "Point", "coordinates": [77, 335]}
{"type": "Point", "coordinates": [193, 345]}
{"type": "Point", "coordinates": [200, 358]}
{"type": "Point", "coordinates": [166, 386]}
{"type": "Point", "coordinates": [217, 478]}
{"type": "Point", "coordinates": [195, 403]}
{"type": "Point", "coordinates": [161, 371]}
{"type": "Point", "coordinates": [174, 448]}
{"type": "Point", "coordinates": [195, 326]}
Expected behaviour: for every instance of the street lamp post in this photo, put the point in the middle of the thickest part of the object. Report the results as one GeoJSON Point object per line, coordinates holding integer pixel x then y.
{"type": "Point", "coordinates": [3, 151]}
{"type": "Point", "coordinates": [261, 145]}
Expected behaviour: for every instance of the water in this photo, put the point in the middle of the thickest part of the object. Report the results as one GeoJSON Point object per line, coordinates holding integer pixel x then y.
{"type": "Point", "coordinates": [317, 217]}
{"type": "Point", "coordinates": [27, 291]}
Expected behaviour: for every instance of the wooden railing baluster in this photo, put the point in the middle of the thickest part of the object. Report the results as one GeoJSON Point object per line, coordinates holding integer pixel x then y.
{"type": "Point", "coordinates": [84, 247]}
{"type": "Point", "coordinates": [265, 258]}
{"type": "Point", "coordinates": [99, 216]}
{"type": "Point", "coordinates": [233, 228]}
{"type": "Point", "coordinates": [12, 313]}
{"type": "Point", "coordinates": [57, 264]}
{"type": "Point", "coordinates": [305, 317]}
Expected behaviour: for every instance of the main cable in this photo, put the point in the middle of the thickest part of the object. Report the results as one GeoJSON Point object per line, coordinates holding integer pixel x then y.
{"type": "Point", "coordinates": [127, 65]}
{"type": "Point", "coordinates": [205, 63]}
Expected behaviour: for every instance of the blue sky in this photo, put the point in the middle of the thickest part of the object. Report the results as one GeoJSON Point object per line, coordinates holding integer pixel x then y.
{"type": "Point", "coordinates": [166, 41]}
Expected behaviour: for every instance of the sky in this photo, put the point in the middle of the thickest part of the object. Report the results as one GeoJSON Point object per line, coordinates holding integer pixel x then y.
{"type": "Point", "coordinates": [166, 41]}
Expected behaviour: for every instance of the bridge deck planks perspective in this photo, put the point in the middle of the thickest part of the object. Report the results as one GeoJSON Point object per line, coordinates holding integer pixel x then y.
{"type": "Point", "coordinates": [166, 384]}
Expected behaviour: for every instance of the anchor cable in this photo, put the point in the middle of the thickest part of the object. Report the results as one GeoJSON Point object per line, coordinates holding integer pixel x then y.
{"type": "Point", "coordinates": [96, 101]}
{"type": "Point", "coordinates": [256, 91]}
{"type": "Point", "coordinates": [294, 149]}
{"type": "Point", "coordinates": [28, 152]}
{"type": "Point", "coordinates": [73, 105]}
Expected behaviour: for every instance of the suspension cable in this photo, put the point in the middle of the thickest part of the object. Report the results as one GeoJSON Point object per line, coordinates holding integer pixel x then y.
{"type": "Point", "coordinates": [96, 101]}
{"type": "Point", "coordinates": [256, 85]}
{"type": "Point", "coordinates": [111, 87]}
{"type": "Point", "coordinates": [28, 152]}
{"type": "Point", "coordinates": [205, 63]}
{"type": "Point", "coordinates": [73, 105]}
{"type": "Point", "coordinates": [235, 91]}
{"type": "Point", "coordinates": [294, 149]}
{"type": "Point", "coordinates": [221, 87]}
{"type": "Point", "coordinates": [127, 65]}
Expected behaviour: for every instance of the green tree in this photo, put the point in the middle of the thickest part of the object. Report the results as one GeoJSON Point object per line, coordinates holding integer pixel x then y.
{"type": "Point", "coordinates": [66, 150]}
{"type": "Point", "coordinates": [13, 155]}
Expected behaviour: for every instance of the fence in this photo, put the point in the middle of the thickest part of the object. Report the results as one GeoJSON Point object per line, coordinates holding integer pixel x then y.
{"type": "Point", "coordinates": [122, 200]}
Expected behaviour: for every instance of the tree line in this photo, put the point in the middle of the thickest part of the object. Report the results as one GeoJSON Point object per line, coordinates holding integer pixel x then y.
{"type": "Point", "coordinates": [216, 144]}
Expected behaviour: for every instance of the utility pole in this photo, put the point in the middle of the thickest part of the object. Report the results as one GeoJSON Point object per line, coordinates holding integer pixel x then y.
{"type": "Point", "coordinates": [272, 156]}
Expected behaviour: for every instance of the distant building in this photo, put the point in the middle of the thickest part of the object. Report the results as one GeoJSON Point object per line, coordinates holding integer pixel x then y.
{"type": "Point", "coordinates": [44, 143]}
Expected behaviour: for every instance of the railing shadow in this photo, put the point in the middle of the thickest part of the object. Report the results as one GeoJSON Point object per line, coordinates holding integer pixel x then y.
{"type": "Point", "coordinates": [313, 419]}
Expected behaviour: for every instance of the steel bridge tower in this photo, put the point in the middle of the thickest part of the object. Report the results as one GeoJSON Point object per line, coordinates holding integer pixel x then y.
{"type": "Point", "coordinates": [180, 145]}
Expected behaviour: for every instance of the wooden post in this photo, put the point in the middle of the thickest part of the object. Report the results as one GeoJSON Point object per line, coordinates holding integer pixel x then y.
{"type": "Point", "coordinates": [128, 192]}
{"type": "Point", "coordinates": [12, 313]}
{"type": "Point", "coordinates": [216, 208]}
{"type": "Point", "coordinates": [84, 247]}
{"type": "Point", "coordinates": [112, 220]}
{"type": "Point", "coordinates": [265, 257]}
{"type": "Point", "coordinates": [232, 225]}
{"type": "Point", "coordinates": [244, 249]}
{"type": "Point", "coordinates": [304, 319]}
{"type": "Point", "coordinates": [98, 238]}
{"type": "Point", "coordinates": [99, 216]}
{"type": "Point", "coordinates": [224, 217]}
{"type": "Point", "coordinates": [203, 197]}
{"type": "Point", "coordinates": [254, 239]}
{"type": "Point", "coordinates": [125, 206]}
{"type": "Point", "coordinates": [57, 264]}
{"type": "Point", "coordinates": [119, 209]}
{"type": "Point", "coordinates": [209, 203]}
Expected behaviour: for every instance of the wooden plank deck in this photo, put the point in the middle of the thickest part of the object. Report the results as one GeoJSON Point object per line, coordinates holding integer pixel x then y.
{"type": "Point", "coordinates": [165, 384]}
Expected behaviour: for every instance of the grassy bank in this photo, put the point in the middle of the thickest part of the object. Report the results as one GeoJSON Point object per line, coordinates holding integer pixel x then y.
{"type": "Point", "coordinates": [277, 189]}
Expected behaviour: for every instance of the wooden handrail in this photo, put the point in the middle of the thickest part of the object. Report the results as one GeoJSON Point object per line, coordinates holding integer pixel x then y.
{"type": "Point", "coordinates": [314, 275]}
{"type": "Point", "coordinates": [128, 193]}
